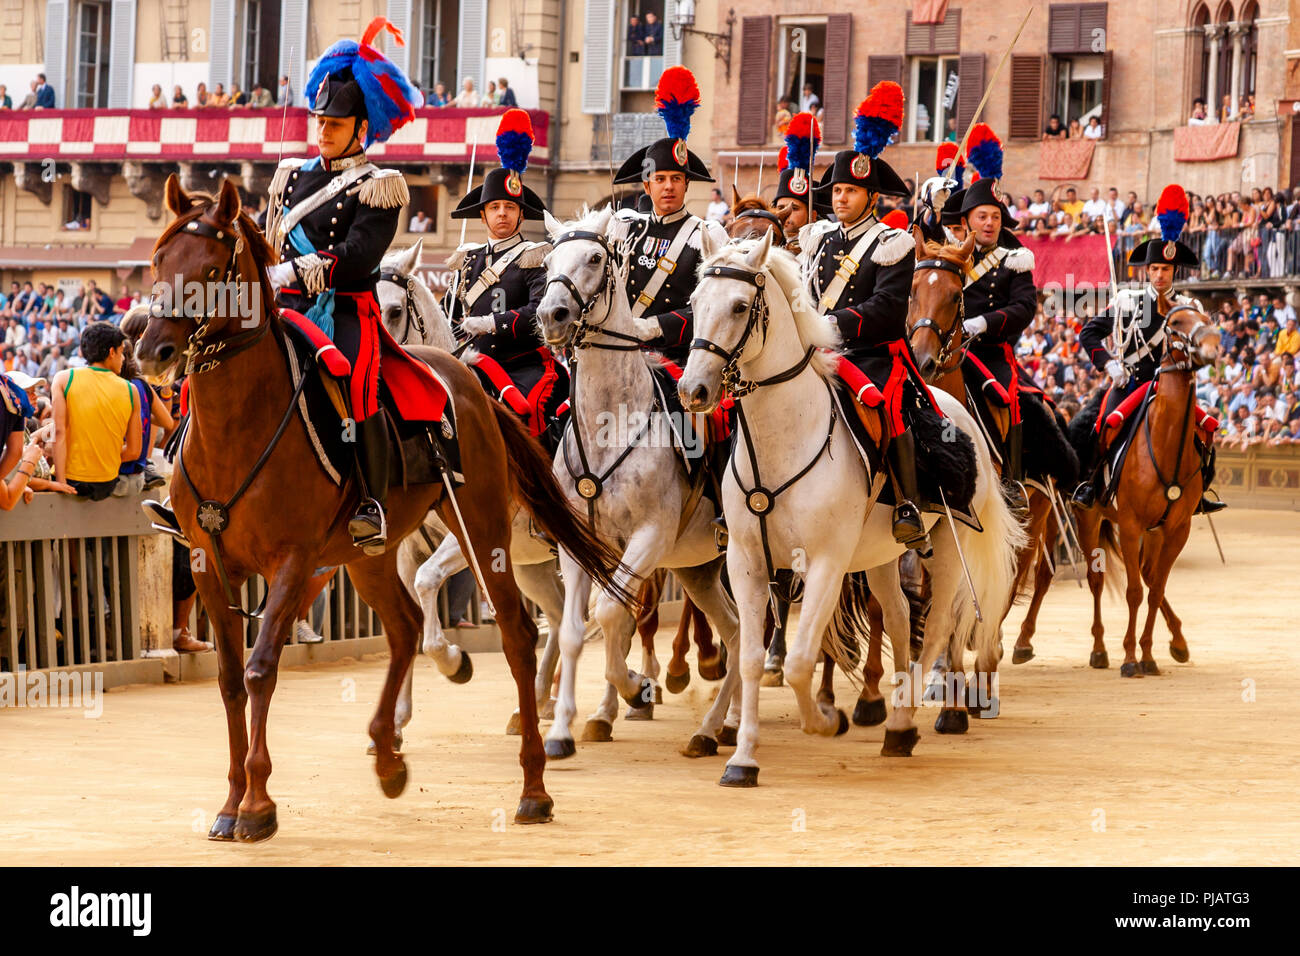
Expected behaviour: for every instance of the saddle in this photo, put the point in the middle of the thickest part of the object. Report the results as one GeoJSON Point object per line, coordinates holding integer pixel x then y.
{"type": "Point", "coordinates": [414, 400]}
{"type": "Point", "coordinates": [527, 399]}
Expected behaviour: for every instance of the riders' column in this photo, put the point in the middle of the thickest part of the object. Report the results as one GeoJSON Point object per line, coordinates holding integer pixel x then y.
{"type": "Point", "coordinates": [1000, 300]}
{"type": "Point", "coordinates": [1137, 319]}
{"type": "Point", "coordinates": [332, 219]}
{"type": "Point", "coordinates": [499, 283]}
{"type": "Point", "coordinates": [861, 275]}
{"type": "Point", "coordinates": [795, 197]}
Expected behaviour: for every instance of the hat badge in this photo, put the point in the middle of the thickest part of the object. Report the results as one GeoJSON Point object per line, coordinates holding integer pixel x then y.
{"type": "Point", "coordinates": [798, 182]}
{"type": "Point", "coordinates": [1170, 251]}
{"type": "Point", "coordinates": [679, 152]}
{"type": "Point", "coordinates": [514, 185]}
{"type": "Point", "coordinates": [861, 166]}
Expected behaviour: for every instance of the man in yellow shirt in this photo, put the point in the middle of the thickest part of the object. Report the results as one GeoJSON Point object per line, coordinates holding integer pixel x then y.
{"type": "Point", "coordinates": [1288, 340]}
{"type": "Point", "coordinates": [96, 421]}
{"type": "Point", "coordinates": [1072, 204]}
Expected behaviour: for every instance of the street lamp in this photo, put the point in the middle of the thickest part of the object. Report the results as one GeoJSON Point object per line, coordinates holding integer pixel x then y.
{"type": "Point", "coordinates": [683, 21]}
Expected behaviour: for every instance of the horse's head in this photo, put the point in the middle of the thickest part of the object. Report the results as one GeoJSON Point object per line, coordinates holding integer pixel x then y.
{"type": "Point", "coordinates": [410, 310]}
{"type": "Point", "coordinates": [1192, 336]}
{"type": "Point", "coordinates": [218, 256]}
{"type": "Point", "coordinates": [752, 217]}
{"type": "Point", "coordinates": [579, 272]}
{"type": "Point", "coordinates": [934, 311]}
{"type": "Point", "coordinates": [727, 306]}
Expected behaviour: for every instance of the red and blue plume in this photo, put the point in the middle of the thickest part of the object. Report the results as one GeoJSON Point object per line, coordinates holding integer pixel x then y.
{"type": "Point", "coordinates": [878, 118]}
{"type": "Point", "coordinates": [390, 97]}
{"type": "Point", "coordinates": [781, 161]}
{"type": "Point", "coordinates": [514, 140]}
{"type": "Point", "coordinates": [802, 137]}
{"type": "Point", "coordinates": [948, 163]}
{"type": "Point", "coordinates": [984, 151]}
{"type": "Point", "coordinates": [676, 97]}
{"type": "Point", "coordinates": [1171, 210]}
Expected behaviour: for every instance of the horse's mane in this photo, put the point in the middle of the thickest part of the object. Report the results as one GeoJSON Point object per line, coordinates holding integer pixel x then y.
{"type": "Point", "coordinates": [942, 250]}
{"type": "Point", "coordinates": [814, 329]}
{"type": "Point", "coordinates": [749, 203]}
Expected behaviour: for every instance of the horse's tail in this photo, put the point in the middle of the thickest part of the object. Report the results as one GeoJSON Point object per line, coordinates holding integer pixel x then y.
{"type": "Point", "coordinates": [542, 497]}
{"type": "Point", "coordinates": [1115, 575]}
{"type": "Point", "coordinates": [849, 633]}
{"type": "Point", "coordinates": [991, 557]}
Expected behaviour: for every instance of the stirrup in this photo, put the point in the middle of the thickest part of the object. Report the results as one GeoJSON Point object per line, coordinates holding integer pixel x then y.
{"type": "Point", "coordinates": [1017, 498]}
{"type": "Point", "coordinates": [1209, 506]}
{"type": "Point", "coordinates": [908, 526]}
{"type": "Point", "coordinates": [1085, 496]}
{"type": "Point", "coordinates": [369, 527]}
{"type": "Point", "coordinates": [720, 534]}
{"type": "Point", "coordinates": [164, 519]}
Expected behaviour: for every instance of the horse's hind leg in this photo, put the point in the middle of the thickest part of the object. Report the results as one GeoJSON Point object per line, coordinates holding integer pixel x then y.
{"type": "Point", "coordinates": [647, 623]}
{"type": "Point", "coordinates": [229, 629]}
{"type": "Point", "coordinates": [711, 659]}
{"type": "Point", "coordinates": [256, 819]}
{"type": "Point", "coordinates": [679, 671]}
{"type": "Point", "coordinates": [704, 586]}
{"type": "Point", "coordinates": [1089, 525]}
{"type": "Point", "coordinates": [1178, 644]}
{"type": "Point", "coordinates": [870, 708]}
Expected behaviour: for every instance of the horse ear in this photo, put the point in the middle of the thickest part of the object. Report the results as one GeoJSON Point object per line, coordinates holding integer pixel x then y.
{"type": "Point", "coordinates": [553, 225]}
{"type": "Point", "coordinates": [918, 234]}
{"type": "Point", "coordinates": [410, 259]}
{"type": "Point", "coordinates": [178, 201]}
{"type": "Point", "coordinates": [228, 203]}
{"type": "Point", "coordinates": [758, 255]}
{"type": "Point", "coordinates": [968, 247]}
{"type": "Point", "coordinates": [707, 246]}
{"type": "Point", "coordinates": [602, 224]}
{"type": "Point", "coordinates": [735, 195]}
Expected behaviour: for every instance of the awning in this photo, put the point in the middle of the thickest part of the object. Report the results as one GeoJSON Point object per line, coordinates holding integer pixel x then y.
{"type": "Point", "coordinates": [134, 256]}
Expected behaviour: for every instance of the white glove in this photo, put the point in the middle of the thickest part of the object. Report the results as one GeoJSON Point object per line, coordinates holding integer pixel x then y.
{"type": "Point", "coordinates": [478, 325]}
{"type": "Point", "coordinates": [280, 274]}
{"type": "Point", "coordinates": [647, 328]}
{"type": "Point", "coordinates": [1115, 369]}
{"type": "Point", "coordinates": [976, 325]}
{"type": "Point", "coordinates": [935, 191]}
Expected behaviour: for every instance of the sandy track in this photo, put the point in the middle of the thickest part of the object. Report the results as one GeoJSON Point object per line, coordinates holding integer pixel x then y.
{"type": "Point", "coordinates": [1178, 768]}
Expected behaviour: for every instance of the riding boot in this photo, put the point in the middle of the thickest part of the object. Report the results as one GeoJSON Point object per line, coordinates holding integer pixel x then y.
{"type": "Point", "coordinates": [1085, 494]}
{"type": "Point", "coordinates": [1208, 471]}
{"type": "Point", "coordinates": [1013, 472]}
{"type": "Point", "coordinates": [909, 529]}
{"type": "Point", "coordinates": [718, 454]}
{"type": "Point", "coordinates": [369, 526]}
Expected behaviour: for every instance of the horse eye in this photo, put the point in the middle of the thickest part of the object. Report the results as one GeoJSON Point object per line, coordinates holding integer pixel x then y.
{"type": "Point", "coordinates": [595, 258]}
{"type": "Point", "coordinates": [739, 307]}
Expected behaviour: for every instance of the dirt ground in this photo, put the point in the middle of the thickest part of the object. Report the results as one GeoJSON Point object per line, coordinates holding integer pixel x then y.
{"type": "Point", "coordinates": [1196, 766]}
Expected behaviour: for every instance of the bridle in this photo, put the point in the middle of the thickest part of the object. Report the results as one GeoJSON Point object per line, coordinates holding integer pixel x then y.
{"type": "Point", "coordinates": [413, 314]}
{"type": "Point", "coordinates": [583, 329]}
{"type": "Point", "coordinates": [950, 340]}
{"type": "Point", "coordinates": [767, 216]}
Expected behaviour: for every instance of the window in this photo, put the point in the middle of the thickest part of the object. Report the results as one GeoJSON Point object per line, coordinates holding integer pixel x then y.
{"type": "Point", "coordinates": [1081, 64]}
{"type": "Point", "coordinates": [801, 61]}
{"type": "Point", "coordinates": [642, 44]}
{"type": "Point", "coordinates": [260, 52]}
{"type": "Point", "coordinates": [93, 29]}
{"type": "Point", "coordinates": [438, 21]}
{"type": "Point", "coordinates": [76, 209]}
{"type": "Point", "coordinates": [932, 100]}
{"type": "Point", "coordinates": [1078, 89]}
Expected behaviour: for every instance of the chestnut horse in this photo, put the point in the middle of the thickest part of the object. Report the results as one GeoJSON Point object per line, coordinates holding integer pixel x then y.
{"type": "Point", "coordinates": [752, 216]}
{"type": "Point", "coordinates": [1159, 487]}
{"type": "Point", "coordinates": [284, 517]}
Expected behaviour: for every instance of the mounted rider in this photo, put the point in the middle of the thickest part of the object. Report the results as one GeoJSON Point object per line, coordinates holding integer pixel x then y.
{"type": "Point", "coordinates": [940, 197]}
{"type": "Point", "coordinates": [999, 303]}
{"type": "Point", "coordinates": [664, 244]}
{"type": "Point", "coordinates": [499, 283]}
{"type": "Point", "coordinates": [794, 190]}
{"type": "Point", "coordinates": [1141, 316]}
{"type": "Point", "coordinates": [332, 218]}
{"type": "Point", "coordinates": [860, 275]}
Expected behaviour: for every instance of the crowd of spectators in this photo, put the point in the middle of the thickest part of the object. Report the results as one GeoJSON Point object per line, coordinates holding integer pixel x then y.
{"type": "Point", "coordinates": [497, 95]}
{"type": "Point", "coordinates": [1091, 128]}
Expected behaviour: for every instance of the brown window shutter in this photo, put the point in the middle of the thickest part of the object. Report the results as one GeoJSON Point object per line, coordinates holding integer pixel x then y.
{"type": "Point", "coordinates": [1063, 28]}
{"type": "Point", "coordinates": [835, 78]}
{"type": "Point", "coordinates": [881, 68]}
{"type": "Point", "coordinates": [970, 88]}
{"type": "Point", "coordinates": [947, 35]}
{"type": "Point", "coordinates": [753, 116]}
{"type": "Point", "coordinates": [919, 38]}
{"type": "Point", "coordinates": [1107, 66]}
{"type": "Point", "coordinates": [1026, 119]}
{"type": "Point", "coordinates": [1092, 27]}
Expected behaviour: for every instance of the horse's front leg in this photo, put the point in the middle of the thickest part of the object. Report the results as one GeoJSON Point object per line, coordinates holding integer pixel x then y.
{"type": "Point", "coordinates": [704, 585]}
{"type": "Point", "coordinates": [577, 591]}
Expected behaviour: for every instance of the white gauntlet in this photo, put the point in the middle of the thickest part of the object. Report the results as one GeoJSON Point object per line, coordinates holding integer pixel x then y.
{"type": "Point", "coordinates": [1115, 369]}
{"type": "Point", "coordinates": [281, 274]}
{"type": "Point", "coordinates": [478, 325]}
{"type": "Point", "coordinates": [976, 325]}
{"type": "Point", "coordinates": [647, 328]}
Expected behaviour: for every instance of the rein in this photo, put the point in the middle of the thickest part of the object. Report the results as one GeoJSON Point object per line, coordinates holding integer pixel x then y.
{"type": "Point", "coordinates": [1173, 487]}
{"type": "Point", "coordinates": [950, 342]}
{"type": "Point", "coordinates": [413, 313]}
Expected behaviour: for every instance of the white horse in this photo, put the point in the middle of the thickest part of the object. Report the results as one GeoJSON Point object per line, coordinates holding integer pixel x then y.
{"type": "Point", "coordinates": [759, 325]}
{"type": "Point", "coordinates": [409, 308]}
{"type": "Point", "coordinates": [634, 484]}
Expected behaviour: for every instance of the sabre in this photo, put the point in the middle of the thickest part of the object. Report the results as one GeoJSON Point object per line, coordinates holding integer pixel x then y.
{"type": "Point", "coordinates": [473, 155]}
{"type": "Point", "coordinates": [1215, 532]}
{"type": "Point", "coordinates": [468, 545]}
{"type": "Point", "coordinates": [961, 147]}
{"type": "Point", "coordinates": [284, 112]}
{"type": "Point", "coordinates": [979, 615]}
{"type": "Point", "coordinates": [1053, 499]}
{"type": "Point", "coordinates": [1120, 334]}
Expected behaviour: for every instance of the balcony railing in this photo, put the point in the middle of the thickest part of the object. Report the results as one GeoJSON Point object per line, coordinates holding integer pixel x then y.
{"type": "Point", "coordinates": [436, 135]}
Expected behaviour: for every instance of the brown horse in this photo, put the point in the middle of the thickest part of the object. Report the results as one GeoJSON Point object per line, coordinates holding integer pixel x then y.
{"type": "Point", "coordinates": [1159, 487]}
{"type": "Point", "coordinates": [752, 217]}
{"type": "Point", "coordinates": [934, 323]}
{"type": "Point", "coordinates": [284, 517]}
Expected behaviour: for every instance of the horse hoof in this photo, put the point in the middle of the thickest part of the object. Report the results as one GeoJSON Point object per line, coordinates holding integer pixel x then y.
{"type": "Point", "coordinates": [951, 722]}
{"type": "Point", "coordinates": [640, 713]}
{"type": "Point", "coordinates": [986, 711]}
{"type": "Point", "coordinates": [773, 677]}
{"type": "Point", "coordinates": [869, 713]}
{"type": "Point", "coordinates": [255, 827]}
{"type": "Point", "coordinates": [223, 828]}
{"type": "Point", "coordinates": [713, 669]}
{"type": "Point", "coordinates": [535, 810]}
{"type": "Point", "coordinates": [739, 777]}
{"type": "Point", "coordinates": [701, 746]}
{"type": "Point", "coordinates": [1180, 654]}
{"type": "Point", "coordinates": [559, 749]}
{"type": "Point", "coordinates": [899, 743]}
{"type": "Point", "coordinates": [676, 683]}
{"type": "Point", "coordinates": [464, 672]}
{"type": "Point", "coordinates": [1149, 667]}
{"type": "Point", "coordinates": [643, 695]}
{"type": "Point", "coordinates": [727, 736]}
{"type": "Point", "coordinates": [514, 726]}
{"type": "Point", "coordinates": [1019, 655]}
{"type": "Point", "coordinates": [395, 784]}
{"type": "Point", "coordinates": [547, 710]}
{"type": "Point", "coordinates": [1129, 669]}
{"type": "Point", "coordinates": [1099, 660]}
{"type": "Point", "coordinates": [843, 727]}
{"type": "Point", "coordinates": [659, 694]}
{"type": "Point", "coordinates": [598, 731]}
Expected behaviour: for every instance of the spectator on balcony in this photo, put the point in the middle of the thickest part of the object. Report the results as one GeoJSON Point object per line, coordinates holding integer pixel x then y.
{"type": "Point", "coordinates": [6, 101]}
{"type": "Point", "coordinates": [44, 93]}
{"type": "Point", "coordinates": [1072, 204]}
{"type": "Point", "coordinates": [285, 95]}
{"type": "Point", "coordinates": [69, 338]}
{"type": "Point", "coordinates": [784, 113]}
{"type": "Point", "coordinates": [1095, 206]}
{"type": "Point", "coordinates": [1039, 210]}
{"type": "Point", "coordinates": [467, 98]}
{"type": "Point", "coordinates": [96, 420]}
{"type": "Point", "coordinates": [29, 101]}
{"type": "Point", "coordinates": [438, 97]}
{"type": "Point", "coordinates": [1115, 207]}
{"type": "Point", "coordinates": [124, 301]}
{"type": "Point", "coordinates": [810, 102]}
{"type": "Point", "coordinates": [261, 98]}
{"type": "Point", "coordinates": [202, 98]}
{"type": "Point", "coordinates": [156, 99]}
{"type": "Point", "coordinates": [179, 100]}
{"type": "Point", "coordinates": [654, 35]}
{"type": "Point", "coordinates": [1076, 129]}
{"type": "Point", "coordinates": [419, 223]}
{"type": "Point", "coordinates": [635, 41]}
{"type": "Point", "coordinates": [1094, 129]}
{"type": "Point", "coordinates": [506, 97]}
{"type": "Point", "coordinates": [1054, 129]}
{"type": "Point", "coordinates": [1200, 115]}
{"type": "Point", "coordinates": [219, 100]}
{"type": "Point", "coordinates": [490, 94]}
{"type": "Point", "coordinates": [718, 210]}
{"type": "Point", "coordinates": [238, 98]}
